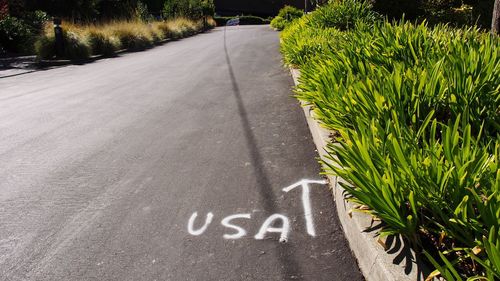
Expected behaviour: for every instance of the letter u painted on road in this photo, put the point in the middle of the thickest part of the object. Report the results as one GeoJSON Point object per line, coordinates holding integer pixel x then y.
{"type": "Point", "coordinates": [199, 231]}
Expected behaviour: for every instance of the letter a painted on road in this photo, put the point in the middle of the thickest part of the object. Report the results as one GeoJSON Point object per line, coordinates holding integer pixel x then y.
{"type": "Point", "coordinates": [266, 227]}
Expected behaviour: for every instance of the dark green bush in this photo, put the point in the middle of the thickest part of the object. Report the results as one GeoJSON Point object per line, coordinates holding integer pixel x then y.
{"type": "Point", "coordinates": [343, 15]}
{"type": "Point", "coordinates": [193, 9]}
{"type": "Point", "coordinates": [301, 43]}
{"type": "Point", "coordinates": [279, 23]}
{"type": "Point", "coordinates": [244, 20]}
{"type": "Point", "coordinates": [319, 31]}
{"type": "Point", "coordinates": [290, 13]}
{"type": "Point", "coordinates": [286, 16]}
{"type": "Point", "coordinates": [15, 35]}
{"type": "Point", "coordinates": [249, 20]}
{"type": "Point", "coordinates": [456, 13]}
{"type": "Point", "coordinates": [36, 20]}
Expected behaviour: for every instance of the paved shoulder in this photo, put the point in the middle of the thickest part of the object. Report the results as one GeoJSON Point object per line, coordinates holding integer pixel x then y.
{"type": "Point", "coordinates": [190, 161]}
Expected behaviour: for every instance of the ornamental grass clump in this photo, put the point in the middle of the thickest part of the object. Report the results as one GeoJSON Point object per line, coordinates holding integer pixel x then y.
{"type": "Point", "coordinates": [416, 111]}
{"type": "Point", "coordinates": [76, 47]}
{"type": "Point", "coordinates": [133, 36]}
{"type": "Point", "coordinates": [81, 41]}
{"type": "Point", "coordinates": [102, 43]}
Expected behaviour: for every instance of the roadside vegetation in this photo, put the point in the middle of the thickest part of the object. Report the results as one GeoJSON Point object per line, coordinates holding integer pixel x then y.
{"type": "Point", "coordinates": [82, 41]}
{"type": "Point", "coordinates": [415, 111]}
{"type": "Point", "coordinates": [89, 28]}
{"type": "Point", "coordinates": [286, 16]}
{"type": "Point", "coordinates": [243, 20]}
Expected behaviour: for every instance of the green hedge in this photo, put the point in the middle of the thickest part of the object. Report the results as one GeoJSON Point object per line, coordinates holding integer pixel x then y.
{"type": "Point", "coordinates": [285, 17]}
{"type": "Point", "coordinates": [416, 111]}
{"type": "Point", "coordinates": [244, 20]}
{"type": "Point", "coordinates": [15, 35]}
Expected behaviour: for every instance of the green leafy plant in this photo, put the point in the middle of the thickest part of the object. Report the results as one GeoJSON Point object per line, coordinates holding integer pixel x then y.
{"type": "Point", "coordinates": [285, 17]}
{"type": "Point", "coordinates": [416, 115]}
{"type": "Point", "coordinates": [15, 35]}
{"type": "Point", "coordinates": [343, 15]}
{"type": "Point", "coordinates": [279, 23]}
{"type": "Point", "coordinates": [290, 13]}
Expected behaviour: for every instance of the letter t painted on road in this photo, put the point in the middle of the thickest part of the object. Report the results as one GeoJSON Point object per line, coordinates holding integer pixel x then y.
{"type": "Point", "coordinates": [306, 202]}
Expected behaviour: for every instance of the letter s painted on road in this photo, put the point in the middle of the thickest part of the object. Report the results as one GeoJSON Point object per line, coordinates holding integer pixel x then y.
{"type": "Point", "coordinates": [240, 232]}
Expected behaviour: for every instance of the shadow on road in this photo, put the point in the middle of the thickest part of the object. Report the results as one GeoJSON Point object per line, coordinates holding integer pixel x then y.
{"type": "Point", "coordinates": [290, 265]}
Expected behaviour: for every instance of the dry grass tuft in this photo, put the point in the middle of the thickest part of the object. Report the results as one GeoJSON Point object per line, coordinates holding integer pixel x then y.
{"type": "Point", "coordinates": [81, 41]}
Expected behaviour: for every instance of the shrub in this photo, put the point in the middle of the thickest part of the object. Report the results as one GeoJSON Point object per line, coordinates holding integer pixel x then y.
{"type": "Point", "coordinates": [456, 13]}
{"type": "Point", "coordinates": [290, 13]}
{"type": "Point", "coordinates": [133, 35]}
{"type": "Point", "coordinates": [132, 39]}
{"type": "Point", "coordinates": [343, 15]}
{"type": "Point", "coordinates": [36, 20]}
{"type": "Point", "coordinates": [416, 112]}
{"type": "Point", "coordinates": [157, 34]}
{"type": "Point", "coordinates": [244, 20]}
{"type": "Point", "coordinates": [102, 43]}
{"type": "Point", "coordinates": [45, 47]}
{"type": "Point", "coordinates": [211, 22]}
{"type": "Point", "coordinates": [286, 16]}
{"type": "Point", "coordinates": [75, 47]}
{"type": "Point", "coordinates": [83, 40]}
{"type": "Point", "coordinates": [192, 9]}
{"type": "Point", "coordinates": [141, 12]}
{"type": "Point", "coordinates": [301, 43]}
{"type": "Point", "coordinates": [163, 27]}
{"type": "Point", "coordinates": [279, 23]}
{"type": "Point", "coordinates": [416, 115]}
{"type": "Point", "coordinates": [15, 35]}
{"type": "Point", "coordinates": [250, 20]}
{"type": "Point", "coordinates": [319, 31]}
{"type": "Point", "coordinates": [182, 27]}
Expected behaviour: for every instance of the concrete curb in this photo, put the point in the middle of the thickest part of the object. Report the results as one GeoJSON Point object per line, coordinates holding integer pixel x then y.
{"type": "Point", "coordinates": [387, 260]}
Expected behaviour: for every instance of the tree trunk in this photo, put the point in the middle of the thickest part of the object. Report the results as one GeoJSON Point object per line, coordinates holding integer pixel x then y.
{"type": "Point", "coordinates": [495, 21]}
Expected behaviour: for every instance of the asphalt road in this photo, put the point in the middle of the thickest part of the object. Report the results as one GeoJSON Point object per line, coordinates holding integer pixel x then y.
{"type": "Point", "coordinates": [103, 165]}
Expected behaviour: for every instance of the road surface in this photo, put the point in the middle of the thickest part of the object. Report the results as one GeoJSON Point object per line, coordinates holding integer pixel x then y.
{"type": "Point", "coordinates": [103, 166]}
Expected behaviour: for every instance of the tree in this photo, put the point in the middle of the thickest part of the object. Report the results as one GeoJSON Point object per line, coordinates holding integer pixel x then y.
{"type": "Point", "coordinates": [194, 9]}
{"type": "Point", "coordinates": [495, 21]}
{"type": "Point", "coordinates": [77, 10]}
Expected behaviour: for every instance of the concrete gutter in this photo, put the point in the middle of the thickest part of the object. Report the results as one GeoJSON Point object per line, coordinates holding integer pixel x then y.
{"type": "Point", "coordinates": [390, 259]}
